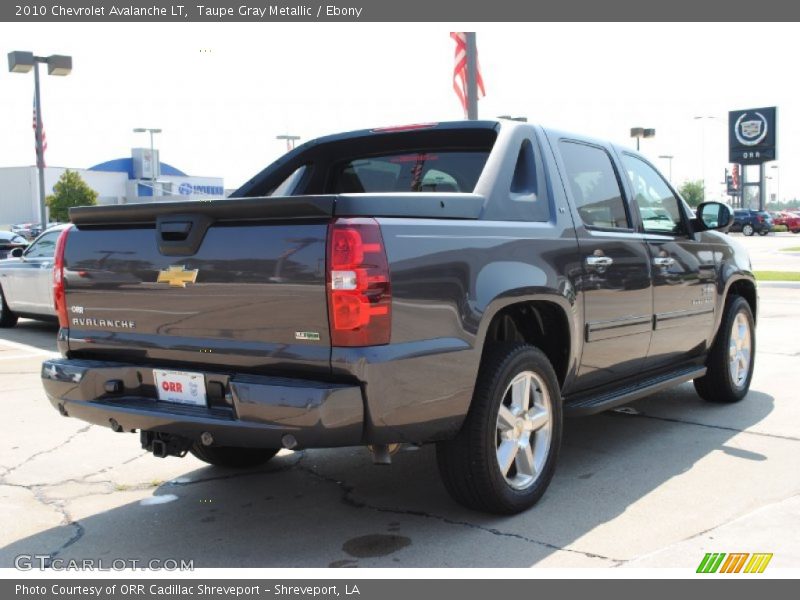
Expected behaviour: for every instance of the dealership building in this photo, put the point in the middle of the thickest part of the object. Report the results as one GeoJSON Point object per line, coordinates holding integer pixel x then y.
{"type": "Point", "coordinates": [118, 181]}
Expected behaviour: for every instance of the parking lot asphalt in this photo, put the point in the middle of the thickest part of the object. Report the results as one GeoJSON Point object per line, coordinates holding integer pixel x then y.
{"type": "Point", "coordinates": [769, 252]}
{"type": "Point", "coordinates": [656, 485]}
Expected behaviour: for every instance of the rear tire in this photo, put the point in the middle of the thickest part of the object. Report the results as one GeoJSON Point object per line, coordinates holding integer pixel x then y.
{"type": "Point", "coordinates": [7, 317]}
{"type": "Point", "coordinates": [763, 232]}
{"type": "Point", "coordinates": [730, 362]}
{"type": "Point", "coordinates": [229, 456]}
{"type": "Point", "coordinates": [515, 420]}
{"type": "Point", "coordinates": [748, 230]}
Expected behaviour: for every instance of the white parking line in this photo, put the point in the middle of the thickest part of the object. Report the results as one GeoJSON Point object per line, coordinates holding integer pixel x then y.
{"type": "Point", "coordinates": [19, 356]}
{"type": "Point", "coordinates": [33, 350]}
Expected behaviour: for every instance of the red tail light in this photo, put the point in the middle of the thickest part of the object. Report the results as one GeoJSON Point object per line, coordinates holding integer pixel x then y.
{"type": "Point", "coordinates": [759, 218]}
{"type": "Point", "coordinates": [59, 295]}
{"type": "Point", "coordinates": [359, 287]}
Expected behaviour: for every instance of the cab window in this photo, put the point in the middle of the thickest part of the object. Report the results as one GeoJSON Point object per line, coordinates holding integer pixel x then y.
{"type": "Point", "coordinates": [595, 187]}
{"type": "Point", "coordinates": [658, 206]}
{"type": "Point", "coordinates": [434, 171]}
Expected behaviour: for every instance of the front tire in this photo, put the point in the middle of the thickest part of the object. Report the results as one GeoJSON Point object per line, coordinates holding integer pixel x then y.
{"type": "Point", "coordinates": [229, 456]}
{"type": "Point", "coordinates": [7, 317]}
{"type": "Point", "coordinates": [748, 230]}
{"type": "Point", "coordinates": [505, 455]}
{"type": "Point", "coordinates": [730, 362]}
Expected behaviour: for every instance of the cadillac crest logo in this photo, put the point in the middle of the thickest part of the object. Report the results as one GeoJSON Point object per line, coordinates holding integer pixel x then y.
{"type": "Point", "coordinates": [752, 131]}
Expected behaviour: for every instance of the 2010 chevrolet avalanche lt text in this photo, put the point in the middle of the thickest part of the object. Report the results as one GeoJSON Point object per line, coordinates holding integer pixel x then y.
{"type": "Point", "coordinates": [465, 284]}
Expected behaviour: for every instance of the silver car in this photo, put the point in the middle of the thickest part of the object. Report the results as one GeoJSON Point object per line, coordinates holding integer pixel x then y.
{"type": "Point", "coordinates": [26, 280]}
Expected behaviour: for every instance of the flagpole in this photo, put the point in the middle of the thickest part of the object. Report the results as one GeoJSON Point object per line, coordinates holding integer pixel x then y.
{"type": "Point", "coordinates": [472, 79]}
{"type": "Point", "coordinates": [39, 148]}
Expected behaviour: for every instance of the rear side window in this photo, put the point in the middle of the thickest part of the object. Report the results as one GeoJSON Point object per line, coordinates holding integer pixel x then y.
{"type": "Point", "coordinates": [429, 171]}
{"type": "Point", "coordinates": [594, 185]}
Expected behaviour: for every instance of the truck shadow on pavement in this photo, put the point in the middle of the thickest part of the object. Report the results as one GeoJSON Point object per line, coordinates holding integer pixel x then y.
{"type": "Point", "coordinates": [618, 485]}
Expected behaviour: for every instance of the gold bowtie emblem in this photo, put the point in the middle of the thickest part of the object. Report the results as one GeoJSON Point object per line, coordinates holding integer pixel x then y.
{"type": "Point", "coordinates": [177, 276]}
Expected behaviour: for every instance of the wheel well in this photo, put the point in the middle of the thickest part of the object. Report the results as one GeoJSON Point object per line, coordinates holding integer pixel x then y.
{"type": "Point", "coordinates": [541, 324]}
{"type": "Point", "coordinates": [747, 290]}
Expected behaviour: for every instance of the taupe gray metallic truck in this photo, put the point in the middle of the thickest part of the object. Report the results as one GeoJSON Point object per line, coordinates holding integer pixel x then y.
{"type": "Point", "coordinates": [466, 284]}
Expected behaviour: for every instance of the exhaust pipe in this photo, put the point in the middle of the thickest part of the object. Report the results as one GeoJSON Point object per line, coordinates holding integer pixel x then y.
{"type": "Point", "coordinates": [382, 453]}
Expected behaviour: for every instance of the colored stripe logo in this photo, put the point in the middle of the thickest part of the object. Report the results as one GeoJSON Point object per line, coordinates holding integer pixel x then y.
{"type": "Point", "coordinates": [735, 562]}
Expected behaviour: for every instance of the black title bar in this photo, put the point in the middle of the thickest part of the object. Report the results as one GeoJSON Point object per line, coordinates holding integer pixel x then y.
{"type": "Point", "coordinates": [445, 11]}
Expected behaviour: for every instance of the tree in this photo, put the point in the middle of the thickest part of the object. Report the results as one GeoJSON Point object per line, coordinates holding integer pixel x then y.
{"type": "Point", "coordinates": [70, 190]}
{"type": "Point", "coordinates": [692, 192]}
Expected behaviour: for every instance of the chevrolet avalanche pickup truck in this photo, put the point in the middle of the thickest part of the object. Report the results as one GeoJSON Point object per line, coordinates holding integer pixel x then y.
{"type": "Point", "coordinates": [466, 284]}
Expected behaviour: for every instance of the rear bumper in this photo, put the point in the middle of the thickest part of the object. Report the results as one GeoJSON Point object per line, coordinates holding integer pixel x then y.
{"type": "Point", "coordinates": [242, 410]}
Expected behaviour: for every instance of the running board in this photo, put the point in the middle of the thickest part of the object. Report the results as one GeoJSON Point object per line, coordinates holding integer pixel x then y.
{"type": "Point", "coordinates": [590, 404]}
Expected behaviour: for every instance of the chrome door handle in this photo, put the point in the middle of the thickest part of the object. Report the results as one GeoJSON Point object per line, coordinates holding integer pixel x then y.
{"type": "Point", "coordinates": [599, 261]}
{"type": "Point", "coordinates": [664, 262]}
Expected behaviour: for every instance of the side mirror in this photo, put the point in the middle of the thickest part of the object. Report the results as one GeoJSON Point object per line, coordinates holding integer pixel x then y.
{"type": "Point", "coordinates": [17, 252]}
{"type": "Point", "coordinates": [714, 215]}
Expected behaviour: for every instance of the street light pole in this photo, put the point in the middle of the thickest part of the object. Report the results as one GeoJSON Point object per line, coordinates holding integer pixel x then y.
{"type": "Point", "coordinates": [290, 140]}
{"type": "Point", "coordinates": [668, 157]}
{"type": "Point", "coordinates": [641, 132]}
{"type": "Point", "coordinates": [60, 65]}
{"type": "Point", "coordinates": [777, 183]}
{"type": "Point", "coordinates": [152, 155]}
{"type": "Point", "coordinates": [37, 99]}
{"type": "Point", "coordinates": [703, 149]}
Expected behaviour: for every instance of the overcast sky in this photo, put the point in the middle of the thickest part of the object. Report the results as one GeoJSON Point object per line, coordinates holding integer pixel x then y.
{"type": "Point", "coordinates": [222, 92]}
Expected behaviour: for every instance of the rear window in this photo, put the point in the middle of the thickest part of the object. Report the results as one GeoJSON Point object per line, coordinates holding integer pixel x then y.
{"type": "Point", "coordinates": [428, 171]}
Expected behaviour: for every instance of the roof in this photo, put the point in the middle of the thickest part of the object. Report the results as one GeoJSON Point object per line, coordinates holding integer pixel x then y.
{"type": "Point", "coordinates": [125, 165]}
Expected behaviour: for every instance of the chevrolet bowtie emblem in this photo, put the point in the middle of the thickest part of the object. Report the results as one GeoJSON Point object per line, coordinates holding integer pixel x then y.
{"type": "Point", "coordinates": [177, 276]}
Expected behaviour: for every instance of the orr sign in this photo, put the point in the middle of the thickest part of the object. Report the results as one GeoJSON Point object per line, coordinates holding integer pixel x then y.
{"type": "Point", "coordinates": [752, 135]}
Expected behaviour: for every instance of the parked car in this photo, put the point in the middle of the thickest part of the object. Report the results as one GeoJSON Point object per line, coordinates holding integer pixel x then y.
{"type": "Point", "coordinates": [9, 241]}
{"type": "Point", "coordinates": [788, 218]}
{"type": "Point", "coordinates": [750, 221]}
{"type": "Point", "coordinates": [26, 280]}
{"type": "Point", "coordinates": [464, 284]}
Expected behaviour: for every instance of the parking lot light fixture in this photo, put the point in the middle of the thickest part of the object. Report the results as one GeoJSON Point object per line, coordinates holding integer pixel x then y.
{"type": "Point", "coordinates": [152, 131]}
{"type": "Point", "coordinates": [57, 64]}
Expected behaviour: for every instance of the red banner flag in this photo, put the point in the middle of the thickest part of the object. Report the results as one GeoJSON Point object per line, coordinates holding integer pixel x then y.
{"type": "Point", "coordinates": [460, 70]}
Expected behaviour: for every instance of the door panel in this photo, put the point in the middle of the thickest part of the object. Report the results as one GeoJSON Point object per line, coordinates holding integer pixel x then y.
{"type": "Point", "coordinates": [683, 300]}
{"type": "Point", "coordinates": [683, 268]}
{"type": "Point", "coordinates": [30, 280]}
{"type": "Point", "coordinates": [618, 308]}
{"type": "Point", "coordinates": [615, 283]}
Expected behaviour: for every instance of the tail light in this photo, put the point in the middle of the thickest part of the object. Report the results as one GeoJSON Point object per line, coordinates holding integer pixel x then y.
{"type": "Point", "coordinates": [759, 218]}
{"type": "Point", "coordinates": [359, 287]}
{"type": "Point", "coordinates": [59, 295]}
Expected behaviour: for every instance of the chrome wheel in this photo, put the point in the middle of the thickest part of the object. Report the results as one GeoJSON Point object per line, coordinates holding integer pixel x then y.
{"type": "Point", "coordinates": [524, 429]}
{"type": "Point", "coordinates": [740, 350]}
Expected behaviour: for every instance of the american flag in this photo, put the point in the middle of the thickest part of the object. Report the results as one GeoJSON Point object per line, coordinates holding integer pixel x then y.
{"type": "Point", "coordinates": [460, 70]}
{"type": "Point", "coordinates": [39, 158]}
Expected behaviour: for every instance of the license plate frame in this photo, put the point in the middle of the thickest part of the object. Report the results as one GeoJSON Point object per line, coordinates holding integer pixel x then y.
{"type": "Point", "coordinates": [180, 387]}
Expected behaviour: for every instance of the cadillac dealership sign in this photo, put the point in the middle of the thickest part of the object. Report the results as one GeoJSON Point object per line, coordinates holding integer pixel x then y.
{"type": "Point", "coordinates": [751, 135]}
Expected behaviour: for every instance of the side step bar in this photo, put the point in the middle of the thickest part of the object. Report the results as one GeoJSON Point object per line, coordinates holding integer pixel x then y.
{"type": "Point", "coordinates": [589, 404]}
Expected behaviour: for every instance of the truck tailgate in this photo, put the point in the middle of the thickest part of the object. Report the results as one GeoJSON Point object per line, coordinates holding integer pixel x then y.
{"type": "Point", "coordinates": [238, 283]}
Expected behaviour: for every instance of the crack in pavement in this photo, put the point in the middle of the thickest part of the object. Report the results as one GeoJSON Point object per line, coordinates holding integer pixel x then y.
{"type": "Point", "coordinates": [43, 452]}
{"type": "Point", "coordinates": [699, 534]}
{"type": "Point", "coordinates": [57, 505]}
{"type": "Point", "coordinates": [348, 499]}
{"type": "Point", "coordinates": [721, 427]}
